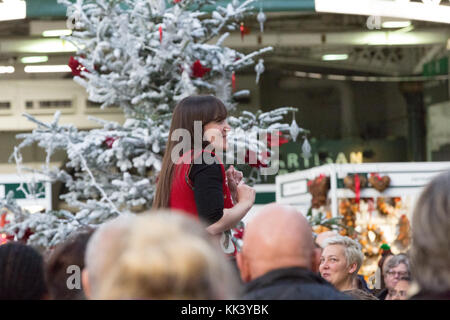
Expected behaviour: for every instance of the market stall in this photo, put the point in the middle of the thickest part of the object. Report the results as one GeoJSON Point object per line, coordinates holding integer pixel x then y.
{"type": "Point", "coordinates": [374, 200]}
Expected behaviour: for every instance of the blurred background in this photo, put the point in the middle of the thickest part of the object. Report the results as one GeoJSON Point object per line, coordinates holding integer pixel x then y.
{"type": "Point", "coordinates": [369, 87]}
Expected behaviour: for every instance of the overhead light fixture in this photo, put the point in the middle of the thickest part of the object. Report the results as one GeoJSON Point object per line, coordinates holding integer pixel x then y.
{"type": "Point", "coordinates": [336, 77]}
{"type": "Point", "coordinates": [35, 59]}
{"type": "Point", "coordinates": [43, 46]}
{"type": "Point", "coordinates": [56, 33]}
{"type": "Point", "coordinates": [34, 208]}
{"type": "Point", "coordinates": [392, 9]}
{"type": "Point", "coordinates": [47, 68]}
{"type": "Point", "coordinates": [7, 69]}
{"type": "Point", "coordinates": [395, 24]}
{"type": "Point", "coordinates": [392, 38]}
{"type": "Point", "coordinates": [13, 10]}
{"type": "Point", "coordinates": [405, 30]}
{"type": "Point", "coordinates": [334, 57]}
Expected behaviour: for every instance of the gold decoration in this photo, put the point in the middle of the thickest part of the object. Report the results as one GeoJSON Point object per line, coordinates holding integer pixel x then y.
{"type": "Point", "coordinates": [404, 232]}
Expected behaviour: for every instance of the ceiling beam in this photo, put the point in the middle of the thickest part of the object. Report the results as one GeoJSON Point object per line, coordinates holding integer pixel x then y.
{"type": "Point", "coordinates": [53, 9]}
{"type": "Point", "coordinates": [370, 38]}
{"type": "Point", "coordinates": [340, 65]}
{"type": "Point", "coordinates": [324, 40]}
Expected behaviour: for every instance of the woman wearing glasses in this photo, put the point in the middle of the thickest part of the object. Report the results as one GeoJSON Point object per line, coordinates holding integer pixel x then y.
{"type": "Point", "coordinates": [396, 268]}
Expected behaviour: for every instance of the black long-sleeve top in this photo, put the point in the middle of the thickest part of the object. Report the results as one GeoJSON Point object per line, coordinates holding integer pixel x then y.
{"type": "Point", "coordinates": [208, 191]}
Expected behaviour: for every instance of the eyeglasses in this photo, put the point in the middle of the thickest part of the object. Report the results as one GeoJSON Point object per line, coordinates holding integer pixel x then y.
{"type": "Point", "coordinates": [400, 293]}
{"type": "Point", "coordinates": [399, 274]}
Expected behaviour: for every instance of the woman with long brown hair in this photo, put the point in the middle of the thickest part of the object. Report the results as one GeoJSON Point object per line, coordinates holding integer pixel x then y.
{"type": "Point", "coordinates": [188, 181]}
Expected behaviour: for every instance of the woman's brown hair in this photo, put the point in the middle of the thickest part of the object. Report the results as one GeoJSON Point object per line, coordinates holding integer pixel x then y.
{"type": "Point", "coordinates": [193, 108]}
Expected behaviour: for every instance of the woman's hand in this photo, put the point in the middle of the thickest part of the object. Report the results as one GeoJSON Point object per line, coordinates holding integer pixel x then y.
{"type": "Point", "coordinates": [234, 177]}
{"type": "Point", "coordinates": [245, 194]}
{"type": "Point", "coordinates": [232, 216]}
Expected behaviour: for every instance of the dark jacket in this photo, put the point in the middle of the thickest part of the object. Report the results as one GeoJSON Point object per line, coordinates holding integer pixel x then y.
{"type": "Point", "coordinates": [293, 283]}
{"type": "Point", "coordinates": [427, 295]}
{"type": "Point", "coordinates": [362, 284]}
{"type": "Point", "coordinates": [382, 294]}
{"type": "Point", "coordinates": [359, 294]}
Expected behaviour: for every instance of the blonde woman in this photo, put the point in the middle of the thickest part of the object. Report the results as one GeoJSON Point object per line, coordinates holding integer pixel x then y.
{"type": "Point", "coordinates": [339, 264]}
{"type": "Point", "coordinates": [156, 256]}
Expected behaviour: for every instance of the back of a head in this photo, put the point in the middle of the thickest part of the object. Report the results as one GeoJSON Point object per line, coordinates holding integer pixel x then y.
{"type": "Point", "coordinates": [168, 256]}
{"type": "Point", "coordinates": [103, 250]}
{"type": "Point", "coordinates": [21, 273]}
{"type": "Point", "coordinates": [321, 237]}
{"type": "Point", "coordinates": [430, 257]}
{"type": "Point", "coordinates": [278, 237]}
{"type": "Point", "coordinates": [67, 255]}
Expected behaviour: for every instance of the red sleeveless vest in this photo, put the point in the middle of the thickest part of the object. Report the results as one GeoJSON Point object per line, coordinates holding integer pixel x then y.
{"type": "Point", "coordinates": [182, 191]}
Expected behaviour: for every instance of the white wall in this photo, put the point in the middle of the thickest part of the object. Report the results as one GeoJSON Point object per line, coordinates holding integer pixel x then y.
{"type": "Point", "coordinates": [18, 92]}
{"type": "Point", "coordinates": [12, 122]}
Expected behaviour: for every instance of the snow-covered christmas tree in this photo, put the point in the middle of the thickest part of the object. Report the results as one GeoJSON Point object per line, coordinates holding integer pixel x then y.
{"type": "Point", "coordinates": [142, 56]}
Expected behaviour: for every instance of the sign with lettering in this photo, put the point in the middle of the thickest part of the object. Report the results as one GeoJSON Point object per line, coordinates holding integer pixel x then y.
{"type": "Point", "coordinates": [331, 151]}
{"type": "Point", "coordinates": [407, 179]}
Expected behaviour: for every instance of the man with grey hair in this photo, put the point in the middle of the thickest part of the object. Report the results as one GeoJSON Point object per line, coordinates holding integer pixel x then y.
{"type": "Point", "coordinates": [339, 264]}
{"type": "Point", "coordinates": [396, 268]}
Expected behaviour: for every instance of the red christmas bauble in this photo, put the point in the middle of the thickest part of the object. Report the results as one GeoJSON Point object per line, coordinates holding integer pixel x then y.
{"type": "Point", "coordinates": [76, 67]}
{"type": "Point", "coordinates": [281, 140]}
{"type": "Point", "coordinates": [109, 141]}
{"type": "Point", "coordinates": [198, 70]}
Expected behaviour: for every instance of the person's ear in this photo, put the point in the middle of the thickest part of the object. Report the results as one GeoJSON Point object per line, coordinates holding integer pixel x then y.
{"type": "Point", "coordinates": [244, 269]}
{"type": "Point", "coordinates": [85, 283]}
{"type": "Point", "coordinates": [352, 268]}
{"type": "Point", "coordinates": [315, 259]}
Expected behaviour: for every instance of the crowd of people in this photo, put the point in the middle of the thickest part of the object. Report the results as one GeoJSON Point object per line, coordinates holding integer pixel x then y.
{"type": "Point", "coordinates": [165, 254]}
{"type": "Point", "coordinates": [181, 249]}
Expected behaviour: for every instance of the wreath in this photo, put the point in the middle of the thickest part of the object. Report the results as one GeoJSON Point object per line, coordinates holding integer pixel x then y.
{"type": "Point", "coordinates": [319, 190]}
{"type": "Point", "coordinates": [387, 206]}
{"type": "Point", "coordinates": [371, 240]}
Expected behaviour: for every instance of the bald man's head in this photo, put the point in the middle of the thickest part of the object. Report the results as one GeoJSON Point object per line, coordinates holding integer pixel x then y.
{"type": "Point", "coordinates": [321, 237]}
{"type": "Point", "coordinates": [277, 237]}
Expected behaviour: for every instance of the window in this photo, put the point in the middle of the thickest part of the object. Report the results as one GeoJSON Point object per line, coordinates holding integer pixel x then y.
{"type": "Point", "coordinates": [5, 105]}
{"type": "Point", "coordinates": [54, 104]}
{"type": "Point", "coordinates": [92, 105]}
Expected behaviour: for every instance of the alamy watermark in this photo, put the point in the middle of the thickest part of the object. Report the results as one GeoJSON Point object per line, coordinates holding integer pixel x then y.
{"type": "Point", "coordinates": [241, 148]}
{"type": "Point", "coordinates": [73, 281]}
